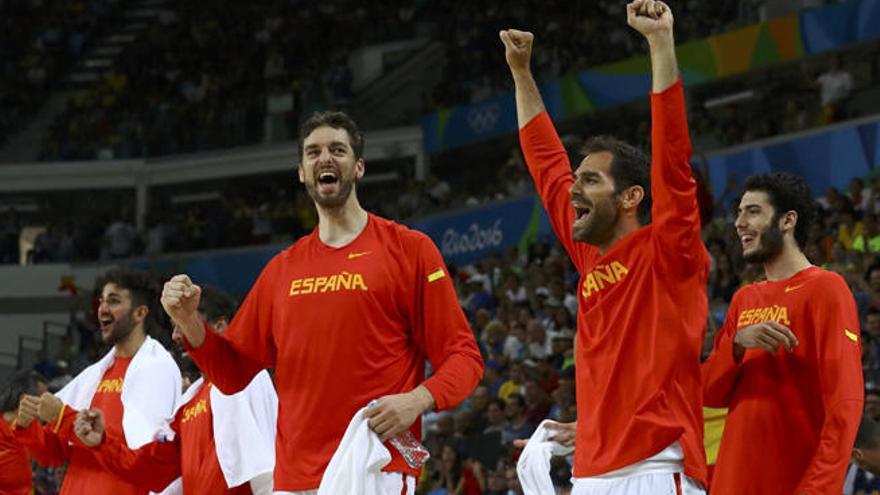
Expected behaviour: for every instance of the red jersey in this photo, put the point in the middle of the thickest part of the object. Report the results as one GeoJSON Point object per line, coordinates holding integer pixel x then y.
{"type": "Point", "coordinates": [642, 305]}
{"type": "Point", "coordinates": [793, 416]}
{"type": "Point", "coordinates": [341, 327]}
{"type": "Point", "coordinates": [56, 443]}
{"type": "Point", "coordinates": [192, 454]}
{"type": "Point", "coordinates": [15, 465]}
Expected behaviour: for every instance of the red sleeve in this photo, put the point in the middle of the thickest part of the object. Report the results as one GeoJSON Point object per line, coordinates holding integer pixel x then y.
{"type": "Point", "coordinates": [720, 371]}
{"type": "Point", "coordinates": [154, 466]}
{"type": "Point", "coordinates": [49, 444]}
{"type": "Point", "coordinates": [838, 355]}
{"type": "Point", "coordinates": [442, 331]}
{"type": "Point", "coordinates": [548, 163]}
{"type": "Point", "coordinates": [675, 212]}
{"type": "Point", "coordinates": [247, 342]}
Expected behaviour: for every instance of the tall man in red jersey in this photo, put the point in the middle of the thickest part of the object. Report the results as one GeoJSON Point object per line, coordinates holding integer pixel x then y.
{"type": "Point", "coordinates": [642, 302]}
{"type": "Point", "coordinates": [136, 384]}
{"type": "Point", "coordinates": [222, 444]}
{"type": "Point", "coordinates": [787, 362]}
{"type": "Point", "coordinates": [346, 315]}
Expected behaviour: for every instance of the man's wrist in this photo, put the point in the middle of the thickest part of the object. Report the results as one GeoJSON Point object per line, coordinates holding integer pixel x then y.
{"type": "Point", "coordinates": [424, 398]}
{"type": "Point", "coordinates": [194, 331]}
{"type": "Point", "coordinates": [661, 40]}
{"type": "Point", "coordinates": [522, 75]}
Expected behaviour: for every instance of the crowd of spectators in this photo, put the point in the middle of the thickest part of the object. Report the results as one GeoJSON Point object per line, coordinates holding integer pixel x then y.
{"type": "Point", "coordinates": [202, 78]}
{"type": "Point", "coordinates": [39, 40]}
{"type": "Point", "coordinates": [583, 35]}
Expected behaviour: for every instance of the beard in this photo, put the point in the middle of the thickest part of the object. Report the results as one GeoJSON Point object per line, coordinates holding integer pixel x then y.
{"type": "Point", "coordinates": [345, 186]}
{"type": "Point", "coordinates": [122, 328]}
{"type": "Point", "coordinates": [600, 227]}
{"type": "Point", "coordinates": [771, 243]}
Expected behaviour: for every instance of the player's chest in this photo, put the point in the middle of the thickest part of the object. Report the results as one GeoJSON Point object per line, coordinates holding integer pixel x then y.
{"type": "Point", "coordinates": [356, 276]}
{"type": "Point", "coordinates": [339, 298]}
{"type": "Point", "coordinates": [610, 279]}
{"type": "Point", "coordinates": [778, 307]}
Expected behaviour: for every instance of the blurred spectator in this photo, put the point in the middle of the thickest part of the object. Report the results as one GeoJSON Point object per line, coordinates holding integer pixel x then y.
{"type": "Point", "coordinates": [723, 281]}
{"type": "Point", "coordinates": [518, 425]}
{"type": "Point", "coordinates": [835, 87]}
{"type": "Point", "coordinates": [119, 239]}
{"type": "Point", "coordinates": [10, 229]}
{"type": "Point", "coordinates": [515, 384]}
{"type": "Point", "coordinates": [456, 476]}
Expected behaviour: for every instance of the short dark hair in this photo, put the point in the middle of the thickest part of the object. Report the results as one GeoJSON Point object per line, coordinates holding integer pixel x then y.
{"type": "Point", "coordinates": [787, 192]}
{"type": "Point", "coordinates": [144, 289]}
{"type": "Point", "coordinates": [216, 303]}
{"type": "Point", "coordinates": [518, 398]}
{"type": "Point", "coordinates": [21, 383]}
{"type": "Point", "coordinates": [868, 436]}
{"type": "Point", "coordinates": [629, 167]}
{"type": "Point", "coordinates": [498, 402]}
{"type": "Point", "coordinates": [335, 120]}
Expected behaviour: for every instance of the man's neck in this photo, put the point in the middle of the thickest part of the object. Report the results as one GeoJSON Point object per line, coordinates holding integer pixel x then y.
{"type": "Point", "coordinates": [789, 262]}
{"type": "Point", "coordinates": [624, 227]}
{"type": "Point", "coordinates": [129, 347]}
{"type": "Point", "coordinates": [340, 226]}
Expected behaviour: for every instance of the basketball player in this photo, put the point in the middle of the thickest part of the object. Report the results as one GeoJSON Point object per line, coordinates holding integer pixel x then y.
{"type": "Point", "coordinates": [633, 232]}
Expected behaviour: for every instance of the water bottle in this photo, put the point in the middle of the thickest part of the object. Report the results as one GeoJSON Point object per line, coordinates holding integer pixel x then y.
{"type": "Point", "coordinates": [414, 453]}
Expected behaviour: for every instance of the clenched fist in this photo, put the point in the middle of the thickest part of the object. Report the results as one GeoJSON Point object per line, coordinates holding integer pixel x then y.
{"type": "Point", "coordinates": [517, 48]}
{"type": "Point", "coordinates": [28, 410]}
{"type": "Point", "coordinates": [180, 298]}
{"type": "Point", "coordinates": [89, 427]}
{"type": "Point", "coordinates": [650, 18]}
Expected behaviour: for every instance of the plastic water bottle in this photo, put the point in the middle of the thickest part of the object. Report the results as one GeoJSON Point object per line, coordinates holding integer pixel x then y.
{"type": "Point", "coordinates": [414, 453]}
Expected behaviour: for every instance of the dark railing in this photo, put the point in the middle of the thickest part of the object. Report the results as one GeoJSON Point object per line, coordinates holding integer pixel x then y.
{"type": "Point", "coordinates": [32, 349]}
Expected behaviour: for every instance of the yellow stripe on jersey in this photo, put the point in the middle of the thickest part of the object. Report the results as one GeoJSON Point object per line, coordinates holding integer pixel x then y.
{"type": "Point", "coordinates": [437, 275]}
{"type": "Point", "coordinates": [852, 336]}
{"type": "Point", "coordinates": [60, 417]}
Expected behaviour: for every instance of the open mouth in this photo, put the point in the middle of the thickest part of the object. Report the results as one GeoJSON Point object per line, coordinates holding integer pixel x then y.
{"type": "Point", "coordinates": [747, 240]}
{"type": "Point", "coordinates": [328, 178]}
{"type": "Point", "coordinates": [105, 323]}
{"type": "Point", "coordinates": [581, 214]}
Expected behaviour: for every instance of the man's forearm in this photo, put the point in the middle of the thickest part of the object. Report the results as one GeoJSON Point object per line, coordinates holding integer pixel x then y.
{"type": "Point", "coordinates": [193, 329]}
{"type": "Point", "coordinates": [528, 98]}
{"type": "Point", "coordinates": [664, 65]}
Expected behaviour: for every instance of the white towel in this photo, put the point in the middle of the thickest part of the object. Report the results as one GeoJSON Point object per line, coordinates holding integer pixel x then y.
{"type": "Point", "coordinates": [150, 391]}
{"type": "Point", "coordinates": [533, 467]}
{"type": "Point", "coordinates": [244, 428]}
{"type": "Point", "coordinates": [356, 466]}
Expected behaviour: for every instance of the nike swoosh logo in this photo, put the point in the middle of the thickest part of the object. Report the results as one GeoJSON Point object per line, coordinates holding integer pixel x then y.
{"type": "Point", "coordinates": [793, 288]}
{"type": "Point", "coordinates": [851, 335]}
{"type": "Point", "coordinates": [352, 256]}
